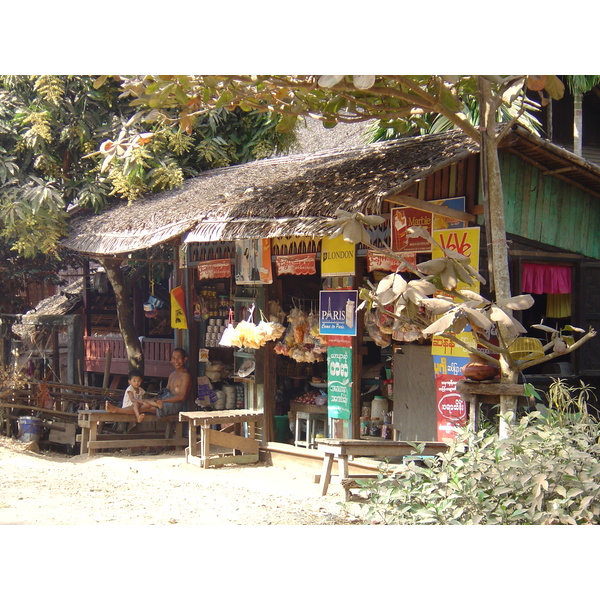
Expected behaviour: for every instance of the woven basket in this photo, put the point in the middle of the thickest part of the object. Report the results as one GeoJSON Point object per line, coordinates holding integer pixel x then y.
{"type": "Point", "coordinates": [526, 348]}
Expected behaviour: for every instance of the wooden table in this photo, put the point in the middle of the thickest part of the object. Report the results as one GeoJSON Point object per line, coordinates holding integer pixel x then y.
{"type": "Point", "coordinates": [480, 392]}
{"type": "Point", "coordinates": [343, 449]}
{"type": "Point", "coordinates": [93, 439]}
{"type": "Point", "coordinates": [230, 444]}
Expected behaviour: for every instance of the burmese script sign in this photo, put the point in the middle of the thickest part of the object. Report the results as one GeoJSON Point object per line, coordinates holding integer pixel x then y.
{"type": "Point", "coordinates": [339, 382]}
{"type": "Point", "coordinates": [451, 408]}
{"type": "Point", "coordinates": [297, 264]}
{"type": "Point", "coordinates": [376, 261]}
{"type": "Point", "coordinates": [215, 269]}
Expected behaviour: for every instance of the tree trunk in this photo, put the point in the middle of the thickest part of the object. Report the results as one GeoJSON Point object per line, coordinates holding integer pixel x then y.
{"type": "Point", "coordinates": [496, 233]}
{"type": "Point", "coordinates": [507, 403]}
{"type": "Point", "coordinates": [122, 293]}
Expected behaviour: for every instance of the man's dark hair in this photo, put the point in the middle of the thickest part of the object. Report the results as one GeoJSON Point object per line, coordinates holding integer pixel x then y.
{"type": "Point", "coordinates": [135, 373]}
{"type": "Point", "coordinates": [183, 352]}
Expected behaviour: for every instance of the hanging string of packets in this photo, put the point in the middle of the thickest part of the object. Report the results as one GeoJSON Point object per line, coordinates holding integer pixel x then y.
{"type": "Point", "coordinates": [246, 334]}
{"type": "Point", "coordinates": [302, 341]}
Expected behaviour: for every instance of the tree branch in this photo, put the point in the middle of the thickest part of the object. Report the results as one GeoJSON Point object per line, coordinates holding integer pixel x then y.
{"type": "Point", "coordinates": [471, 349]}
{"type": "Point", "coordinates": [538, 361]}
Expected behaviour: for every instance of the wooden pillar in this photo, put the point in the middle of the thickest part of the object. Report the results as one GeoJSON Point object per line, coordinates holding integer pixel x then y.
{"type": "Point", "coordinates": [6, 323]}
{"type": "Point", "coordinates": [75, 349]}
{"type": "Point", "coordinates": [87, 305]}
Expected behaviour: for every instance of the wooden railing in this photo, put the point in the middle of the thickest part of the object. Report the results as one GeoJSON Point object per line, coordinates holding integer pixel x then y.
{"type": "Point", "coordinates": [157, 355]}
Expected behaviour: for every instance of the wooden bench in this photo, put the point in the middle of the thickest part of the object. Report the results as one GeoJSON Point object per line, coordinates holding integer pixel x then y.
{"type": "Point", "coordinates": [232, 448]}
{"type": "Point", "coordinates": [92, 438]}
{"type": "Point", "coordinates": [343, 449]}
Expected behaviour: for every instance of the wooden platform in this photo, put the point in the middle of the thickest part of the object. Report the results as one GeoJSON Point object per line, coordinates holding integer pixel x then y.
{"type": "Point", "coordinates": [92, 438]}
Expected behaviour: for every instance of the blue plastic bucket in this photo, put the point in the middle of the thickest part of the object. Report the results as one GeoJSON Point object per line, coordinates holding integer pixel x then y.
{"type": "Point", "coordinates": [29, 429]}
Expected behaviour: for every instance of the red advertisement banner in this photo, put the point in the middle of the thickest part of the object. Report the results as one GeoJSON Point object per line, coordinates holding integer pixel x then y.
{"type": "Point", "coordinates": [215, 269]}
{"type": "Point", "coordinates": [402, 219]}
{"type": "Point", "coordinates": [381, 262]}
{"type": "Point", "coordinates": [297, 264]}
{"type": "Point", "coordinates": [451, 408]}
{"type": "Point", "coordinates": [342, 341]}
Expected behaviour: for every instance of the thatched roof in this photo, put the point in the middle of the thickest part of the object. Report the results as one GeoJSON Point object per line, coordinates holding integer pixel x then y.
{"type": "Point", "coordinates": [299, 194]}
{"type": "Point", "coordinates": [291, 195]}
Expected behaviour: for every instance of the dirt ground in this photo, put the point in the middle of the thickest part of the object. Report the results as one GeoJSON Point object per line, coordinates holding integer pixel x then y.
{"type": "Point", "coordinates": [52, 488]}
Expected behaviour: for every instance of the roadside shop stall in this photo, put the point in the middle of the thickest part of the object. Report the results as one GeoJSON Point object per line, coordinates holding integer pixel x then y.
{"type": "Point", "coordinates": [254, 246]}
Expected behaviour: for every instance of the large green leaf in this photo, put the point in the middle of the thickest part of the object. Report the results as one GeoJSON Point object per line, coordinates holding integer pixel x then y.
{"type": "Point", "coordinates": [286, 123]}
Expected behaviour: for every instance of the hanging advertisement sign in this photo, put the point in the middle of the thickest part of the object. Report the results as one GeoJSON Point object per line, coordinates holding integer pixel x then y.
{"type": "Point", "coordinates": [401, 220]}
{"type": "Point", "coordinates": [343, 341]}
{"type": "Point", "coordinates": [451, 408]}
{"type": "Point", "coordinates": [442, 346]}
{"type": "Point", "coordinates": [299, 264]}
{"type": "Point", "coordinates": [253, 261]}
{"type": "Point", "coordinates": [404, 217]}
{"type": "Point", "coordinates": [339, 383]}
{"type": "Point", "coordinates": [214, 269]}
{"type": "Point", "coordinates": [337, 312]}
{"type": "Point", "coordinates": [178, 312]}
{"type": "Point", "coordinates": [337, 257]}
{"type": "Point", "coordinates": [443, 222]}
{"type": "Point", "coordinates": [449, 365]}
{"type": "Point", "coordinates": [376, 261]}
{"type": "Point", "coordinates": [464, 240]}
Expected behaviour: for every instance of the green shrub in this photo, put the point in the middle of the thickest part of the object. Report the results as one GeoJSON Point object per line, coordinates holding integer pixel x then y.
{"type": "Point", "coordinates": [546, 472]}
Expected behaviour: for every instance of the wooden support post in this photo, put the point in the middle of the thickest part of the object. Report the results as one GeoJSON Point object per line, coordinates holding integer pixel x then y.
{"type": "Point", "coordinates": [106, 380]}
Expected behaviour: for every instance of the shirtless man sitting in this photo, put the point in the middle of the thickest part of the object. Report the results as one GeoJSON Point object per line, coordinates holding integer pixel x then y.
{"type": "Point", "coordinates": [177, 393]}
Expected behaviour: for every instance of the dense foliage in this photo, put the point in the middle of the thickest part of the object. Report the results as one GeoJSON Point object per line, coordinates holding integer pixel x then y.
{"type": "Point", "coordinates": [547, 471]}
{"type": "Point", "coordinates": [51, 128]}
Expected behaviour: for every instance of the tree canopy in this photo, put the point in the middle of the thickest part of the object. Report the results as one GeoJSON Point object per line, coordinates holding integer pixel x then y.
{"type": "Point", "coordinates": [51, 128]}
{"type": "Point", "coordinates": [398, 101]}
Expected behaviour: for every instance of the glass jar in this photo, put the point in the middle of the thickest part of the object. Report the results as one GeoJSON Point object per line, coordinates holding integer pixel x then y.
{"type": "Point", "coordinates": [375, 429]}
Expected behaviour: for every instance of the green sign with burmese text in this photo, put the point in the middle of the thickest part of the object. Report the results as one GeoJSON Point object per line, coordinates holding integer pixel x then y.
{"type": "Point", "coordinates": [339, 382]}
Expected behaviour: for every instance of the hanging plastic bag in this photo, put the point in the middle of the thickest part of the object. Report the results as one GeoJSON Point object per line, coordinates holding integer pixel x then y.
{"type": "Point", "coordinates": [381, 339]}
{"type": "Point", "coordinates": [228, 333]}
{"type": "Point", "coordinates": [267, 331]}
{"type": "Point", "coordinates": [244, 334]}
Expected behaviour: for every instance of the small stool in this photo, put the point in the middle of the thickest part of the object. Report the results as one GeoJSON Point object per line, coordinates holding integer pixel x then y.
{"type": "Point", "coordinates": [310, 420]}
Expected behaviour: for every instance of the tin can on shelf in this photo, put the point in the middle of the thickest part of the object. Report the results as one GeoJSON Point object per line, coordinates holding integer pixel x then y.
{"type": "Point", "coordinates": [364, 426]}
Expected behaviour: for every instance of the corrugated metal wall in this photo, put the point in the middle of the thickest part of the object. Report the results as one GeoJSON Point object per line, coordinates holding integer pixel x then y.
{"type": "Point", "coordinates": [545, 209]}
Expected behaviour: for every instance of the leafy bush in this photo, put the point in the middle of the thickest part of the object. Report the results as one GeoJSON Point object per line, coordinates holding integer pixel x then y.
{"type": "Point", "coordinates": [546, 472]}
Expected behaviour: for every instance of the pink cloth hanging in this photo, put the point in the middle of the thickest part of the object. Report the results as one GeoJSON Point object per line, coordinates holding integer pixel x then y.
{"type": "Point", "coordinates": [545, 279]}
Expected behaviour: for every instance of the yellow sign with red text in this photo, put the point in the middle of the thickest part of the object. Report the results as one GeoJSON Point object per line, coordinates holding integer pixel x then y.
{"type": "Point", "coordinates": [464, 240]}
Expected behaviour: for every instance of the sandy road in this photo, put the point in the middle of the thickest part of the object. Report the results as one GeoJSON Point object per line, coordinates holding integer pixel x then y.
{"type": "Point", "coordinates": [50, 488]}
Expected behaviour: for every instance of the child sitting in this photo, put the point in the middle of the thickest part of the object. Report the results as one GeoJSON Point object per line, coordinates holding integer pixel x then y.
{"type": "Point", "coordinates": [133, 399]}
